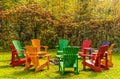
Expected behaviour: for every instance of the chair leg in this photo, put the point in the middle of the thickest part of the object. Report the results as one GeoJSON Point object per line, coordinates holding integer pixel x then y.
{"type": "Point", "coordinates": [84, 66]}
{"type": "Point", "coordinates": [77, 71]}
{"type": "Point", "coordinates": [47, 65]}
{"type": "Point", "coordinates": [59, 65]}
{"type": "Point", "coordinates": [27, 66]}
{"type": "Point", "coordinates": [63, 69]}
{"type": "Point", "coordinates": [110, 60]}
{"type": "Point", "coordinates": [106, 62]}
{"type": "Point", "coordinates": [38, 68]}
{"type": "Point", "coordinates": [84, 63]}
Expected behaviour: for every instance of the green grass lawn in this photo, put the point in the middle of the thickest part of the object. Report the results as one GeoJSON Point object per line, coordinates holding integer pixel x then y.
{"type": "Point", "coordinates": [9, 72]}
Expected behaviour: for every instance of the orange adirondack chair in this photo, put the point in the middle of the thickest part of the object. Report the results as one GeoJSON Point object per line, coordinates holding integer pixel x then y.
{"type": "Point", "coordinates": [109, 55]}
{"type": "Point", "coordinates": [85, 45]}
{"type": "Point", "coordinates": [36, 43]}
{"type": "Point", "coordinates": [95, 62]}
{"type": "Point", "coordinates": [31, 53]}
{"type": "Point", "coordinates": [15, 59]}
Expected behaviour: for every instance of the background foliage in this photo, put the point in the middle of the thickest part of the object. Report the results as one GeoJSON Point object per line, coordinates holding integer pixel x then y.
{"type": "Point", "coordinates": [50, 20]}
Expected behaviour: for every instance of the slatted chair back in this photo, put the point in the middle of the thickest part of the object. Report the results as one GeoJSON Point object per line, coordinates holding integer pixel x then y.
{"type": "Point", "coordinates": [86, 44]}
{"type": "Point", "coordinates": [32, 54]}
{"type": "Point", "coordinates": [36, 43]}
{"type": "Point", "coordinates": [70, 56]}
{"type": "Point", "coordinates": [70, 59]}
{"type": "Point", "coordinates": [63, 43]}
{"type": "Point", "coordinates": [100, 55]}
{"type": "Point", "coordinates": [17, 45]}
{"type": "Point", "coordinates": [19, 48]}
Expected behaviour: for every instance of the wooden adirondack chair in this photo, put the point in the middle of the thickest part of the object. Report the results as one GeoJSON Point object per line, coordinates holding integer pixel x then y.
{"type": "Point", "coordinates": [63, 43]}
{"type": "Point", "coordinates": [19, 48]}
{"type": "Point", "coordinates": [109, 55]}
{"type": "Point", "coordinates": [32, 54]}
{"type": "Point", "coordinates": [15, 59]}
{"type": "Point", "coordinates": [36, 43]}
{"type": "Point", "coordinates": [69, 59]}
{"type": "Point", "coordinates": [85, 45]}
{"type": "Point", "coordinates": [95, 62]}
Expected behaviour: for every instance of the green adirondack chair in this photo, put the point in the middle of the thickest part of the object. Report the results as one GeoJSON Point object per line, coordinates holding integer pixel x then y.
{"type": "Point", "coordinates": [69, 59]}
{"type": "Point", "coordinates": [19, 48]}
{"type": "Point", "coordinates": [63, 43]}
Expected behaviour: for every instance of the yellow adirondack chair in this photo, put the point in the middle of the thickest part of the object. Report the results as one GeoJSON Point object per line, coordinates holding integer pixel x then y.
{"type": "Point", "coordinates": [32, 55]}
{"type": "Point", "coordinates": [109, 53]}
{"type": "Point", "coordinates": [36, 43]}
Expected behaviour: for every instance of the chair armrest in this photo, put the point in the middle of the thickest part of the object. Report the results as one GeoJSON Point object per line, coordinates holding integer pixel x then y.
{"type": "Point", "coordinates": [85, 55]}
{"type": "Point", "coordinates": [90, 50]}
{"type": "Point", "coordinates": [59, 56]}
{"type": "Point", "coordinates": [75, 46]}
{"type": "Point", "coordinates": [48, 56]}
{"type": "Point", "coordinates": [45, 47]}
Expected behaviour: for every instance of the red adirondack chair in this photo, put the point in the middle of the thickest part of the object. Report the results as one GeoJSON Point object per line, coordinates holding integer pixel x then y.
{"type": "Point", "coordinates": [95, 62]}
{"type": "Point", "coordinates": [85, 45]}
{"type": "Point", "coordinates": [15, 59]}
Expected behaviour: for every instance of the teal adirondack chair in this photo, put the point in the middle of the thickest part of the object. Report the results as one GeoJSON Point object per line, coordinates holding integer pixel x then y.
{"type": "Point", "coordinates": [69, 59]}
{"type": "Point", "coordinates": [63, 43]}
{"type": "Point", "coordinates": [19, 48]}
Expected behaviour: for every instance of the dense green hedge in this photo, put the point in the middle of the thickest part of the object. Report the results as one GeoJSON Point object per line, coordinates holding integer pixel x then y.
{"type": "Point", "coordinates": [32, 21]}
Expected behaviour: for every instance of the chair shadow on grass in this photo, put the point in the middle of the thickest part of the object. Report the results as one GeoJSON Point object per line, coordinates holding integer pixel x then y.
{"type": "Point", "coordinates": [67, 74]}
{"type": "Point", "coordinates": [27, 72]}
{"type": "Point", "coordinates": [4, 60]}
{"type": "Point", "coordinates": [92, 73]}
{"type": "Point", "coordinates": [5, 66]}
